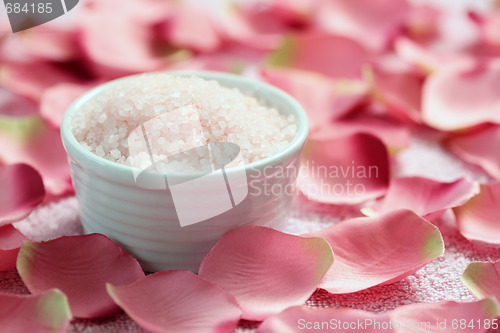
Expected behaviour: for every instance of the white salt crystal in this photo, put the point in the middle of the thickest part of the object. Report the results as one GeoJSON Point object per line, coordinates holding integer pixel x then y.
{"type": "Point", "coordinates": [224, 115]}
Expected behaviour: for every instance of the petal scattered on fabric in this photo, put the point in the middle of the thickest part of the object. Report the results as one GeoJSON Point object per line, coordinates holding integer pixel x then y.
{"type": "Point", "coordinates": [177, 301]}
{"type": "Point", "coordinates": [80, 266]}
{"type": "Point", "coordinates": [479, 219]}
{"type": "Point", "coordinates": [457, 97]}
{"type": "Point", "coordinates": [422, 317]}
{"type": "Point", "coordinates": [56, 100]}
{"type": "Point", "coordinates": [483, 279]}
{"type": "Point", "coordinates": [334, 56]}
{"type": "Point", "coordinates": [347, 170]}
{"type": "Point", "coordinates": [372, 23]}
{"type": "Point", "coordinates": [29, 140]}
{"type": "Point", "coordinates": [323, 99]}
{"type": "Point", "coordinates": [10, 242]}
{"type": "Point", "coordinates": [21, 191]}
{"type": "Point", "coordinates": [478, 148]}
{"type": "Point", "coordinates": [426, 196]}
{"type": "Point", "coordinates": [378, 250]}
{"type": "Point", "coordinates": [46, 312]}
{"type": "Point", "coordinates": [255, 264]}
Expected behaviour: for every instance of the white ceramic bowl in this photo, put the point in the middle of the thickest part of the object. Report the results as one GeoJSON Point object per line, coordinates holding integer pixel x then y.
{"type": "Point", "coordinates": [144, 222]}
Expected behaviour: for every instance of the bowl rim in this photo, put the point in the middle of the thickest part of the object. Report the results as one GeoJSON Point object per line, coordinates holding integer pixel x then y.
{"type": "Point", "coordinates": [70, 142]}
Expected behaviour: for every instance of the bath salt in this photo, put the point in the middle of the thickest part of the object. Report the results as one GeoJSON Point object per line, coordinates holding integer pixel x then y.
{"type": "Point", "coordinates": [164, 120]}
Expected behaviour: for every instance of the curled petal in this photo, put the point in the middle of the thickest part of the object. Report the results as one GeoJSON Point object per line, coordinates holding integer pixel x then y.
{"type": "Point", "coordinates": [334, 56]}
{"type": "Point", "coordinates": [347, 170]}
{"type": "Point", "coordinates": [378, 250]}
{"type": "Point", "coordinates": [483, 279]}
{"type": "Point", "coordinates": [423, 317]}
{"type": "Point", "coordinates": [422, 23]}
{"type": "Point", "coordinates": [22, 190]}
{"type": "Point", "coordinates": [311, 319]}
{"type": "Point", "coordinates": [80, 266]}
{"type": "Point", "coordinates": [435, 314]}
{"type": "Point", "coordinates": [46, 312]}
{"type": "Point", "coordinates": [13, 104]}
{"type": "Point", "coordinates": [478, 148]}
{"type": "Point", "coordinates": [134, 51]}
{"type": "Point", "coordinates": [183, 302]}
{"type": "Point", "coordinates": [266, 270]}
{"type": "Point", "coordinates": [192, 27]}
{"type": "Point", "coordinates": [462, 96]}
{"type": "Point", "coordinates": [31, 78]}
{"type": "Point", "coordinates": [478, 219]}
{"type": "Point", "coordinates": [56, 100]}
{"type": "Point", "coordinates": [426, 196]}
{"type": "Point", "coordinates": [372, 23]}
{"type": "Point", "coordinates": [42, 43]}
{"type": "Point", "coordinates": [400, 92]}
{"type": "Point", "coordinates": [10, 242]}
{"type": "Point", "coordinates": [323, 98]}
{"type": "Point", "coordinates": [424, 57]}
{"type": "Point", "coordinates": [393, 134]}
{"type": "Point", "coordinates": [489, 27]}
{"type": "Point", "coordinates": [28, 139]}
{"type": "Point", "coordinates": [262, 27]}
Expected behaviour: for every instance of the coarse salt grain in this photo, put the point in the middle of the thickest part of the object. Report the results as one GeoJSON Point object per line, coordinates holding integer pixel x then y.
{"type": "Point", "coordinates": [193, 111]}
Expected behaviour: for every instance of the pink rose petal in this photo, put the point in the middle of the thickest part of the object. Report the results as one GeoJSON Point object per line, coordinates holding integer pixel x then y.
{"type": "Point", "coordinates": [13, 104]}
{"type": "Point", "coordinates": [41, 43]}
{"type": "Point", "coordinates": [393, 134]}
{"type": "Point", "coordinates": [192, 27]}
{"type": "Point", "coordinates": [262, 27]}
{"type": "Point", "coordinates": [426, 196]}
{"type": "Point", "coordinates": [489, 27]}
{"type": "Point", "coordinates": [28, 139]}
{"type": "Point", "coordinates": [324, 99]}
{"type": "Point", "coordinates": [427, 58]}
{"type": "Point", "coordinates": [400, 92]}
{"type": "Point", "coordinates": [31, 78]}
{"type": "Point", "coordinates": [422, 23]}
{"type": "Point", "coordinates": [266, 270]}
{"type": "Point", "coordinates": [372, 23]}
{"type": "Point", "coordinates": [378, 250]}
{"type": "Point", "coordinates": [457, 97]}
{"type": "Point", "coordinates": [347, 170]}
{"type": "Point", "coordinates": [477, 148]}
{"type": "Point", "coordinates": [22, 190]}
{"type": "Point", "coordinates": [483, 279]}
{"type": "Point", "coordinates": [330, 55]}
{"type": "Point", "coordinates": [479, 219]}
{"type": "Point", "coordinates": [10, 242]}
{"type": "Point", "coordinates": [80, 266]}
{"type": "Point", "coordinates": [47, 312]}
{"type": "Point", "coordinates": [423, 317]}
{"type": "Point", "coordinates": [56, 100]}
{"type": "Point", "coordinates": [314, 319]}
{"type": "Point", "coordinates": [177, 301]}
{"type": "Point", "coordinates": [134, 50]}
